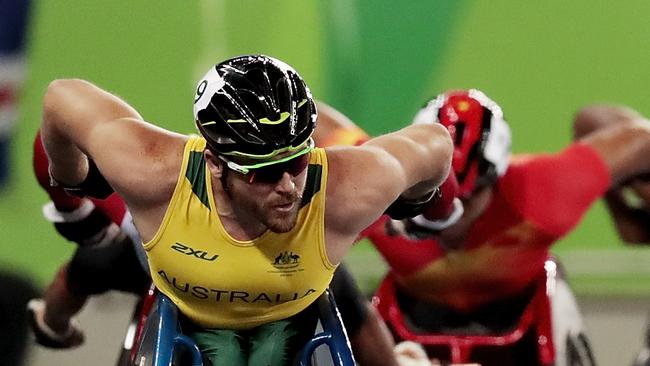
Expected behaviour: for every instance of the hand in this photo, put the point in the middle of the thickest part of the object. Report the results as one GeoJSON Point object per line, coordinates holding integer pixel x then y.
{"type": "Point", "coordinates": [411, 354]}
{"type": "Point", "coordinates": [438, 213]}
{"type": "Point", "coordinates": [420, 228]}
{"type": "Point", "coordinates": [86, 225]}
{"type": "Point", "coordinates": [441, 207]}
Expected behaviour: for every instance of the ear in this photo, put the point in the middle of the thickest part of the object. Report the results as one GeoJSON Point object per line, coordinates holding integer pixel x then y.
{"type": "Point", "coordinates": [214, 163]}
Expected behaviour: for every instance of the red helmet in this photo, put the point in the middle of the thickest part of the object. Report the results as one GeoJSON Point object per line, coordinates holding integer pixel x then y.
{"type": "Point", "coordinates": [481, 136]}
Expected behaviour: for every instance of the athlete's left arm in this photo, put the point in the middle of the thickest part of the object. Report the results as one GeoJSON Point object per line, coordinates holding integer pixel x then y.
{"type": "Point", "coordinates": [443, 209]}
{"type": "Point", "coordinates": [363, 181]}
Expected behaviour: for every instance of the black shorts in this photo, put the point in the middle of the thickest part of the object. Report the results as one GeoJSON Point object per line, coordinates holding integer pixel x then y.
{"type": "Point", "coordinates": [351, 302]}
{"type": "Point", "coordinates": [95, 270]}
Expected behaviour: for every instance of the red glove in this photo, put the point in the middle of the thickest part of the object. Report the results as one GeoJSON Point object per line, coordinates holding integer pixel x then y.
{"type": "Point", "coordinates": [444, 210]}
{"type": "Point", "coordinates": [62, 200]}
{"type": "Point", "coordinates": [441, 206]}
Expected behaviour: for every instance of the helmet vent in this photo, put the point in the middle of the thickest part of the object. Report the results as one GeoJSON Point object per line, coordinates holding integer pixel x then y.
{"type": "Point", "coordinates": [262, 106]}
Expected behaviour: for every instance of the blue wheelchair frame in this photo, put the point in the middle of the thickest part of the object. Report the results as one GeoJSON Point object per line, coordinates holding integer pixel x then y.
{"type": "Point", "coordinates": [333, 334]}
{"type": "Point", "coordinates": [161, 336]}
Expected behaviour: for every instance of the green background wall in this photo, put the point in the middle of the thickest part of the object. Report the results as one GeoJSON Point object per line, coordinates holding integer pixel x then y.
{"type": "Point", "coordinates": [374, 60]}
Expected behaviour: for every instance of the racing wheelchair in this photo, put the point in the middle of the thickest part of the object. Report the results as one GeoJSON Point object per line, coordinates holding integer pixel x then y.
{"type": "Point", "coordinates": [154, 339]}
{"type": "Point", "coordinates": [528, 337]}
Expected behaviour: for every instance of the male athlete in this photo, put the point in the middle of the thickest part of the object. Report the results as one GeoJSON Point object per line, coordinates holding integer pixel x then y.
{"type": "Point", "coordinates": [478, 274]}
{"type": "Point", "coordinates": [252, 195]}
{"type": "Point", "coordinates": [105, 259]}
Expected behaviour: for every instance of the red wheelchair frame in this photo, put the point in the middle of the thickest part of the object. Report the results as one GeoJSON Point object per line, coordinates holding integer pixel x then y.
{"type": "Point", "coordinates": [536, 318]}
{"type": "Point", "coordinates": [153, 338]}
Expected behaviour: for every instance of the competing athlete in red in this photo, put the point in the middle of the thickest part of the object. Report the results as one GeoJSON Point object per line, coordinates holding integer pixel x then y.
{"type": "Point", "coordinates": [480, 271]}
{"type": "Point", "coordinates": [478, 274]}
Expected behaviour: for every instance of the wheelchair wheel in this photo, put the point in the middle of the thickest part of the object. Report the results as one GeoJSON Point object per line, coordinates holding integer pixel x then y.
{"type": "Point", "coordinates": [124, 358]}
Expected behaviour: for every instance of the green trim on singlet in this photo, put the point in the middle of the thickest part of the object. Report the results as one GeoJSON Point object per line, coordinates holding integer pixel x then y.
{"type": "Point", "coordinates": [195, 173]}
{"type": "Point", "coordinates": [312, 186]}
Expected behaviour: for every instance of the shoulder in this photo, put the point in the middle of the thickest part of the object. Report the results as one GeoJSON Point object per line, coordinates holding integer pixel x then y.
{"type": "Point", "coordinates": [144, 159]}
{"type": "Point", "coordinates": [361, 183]}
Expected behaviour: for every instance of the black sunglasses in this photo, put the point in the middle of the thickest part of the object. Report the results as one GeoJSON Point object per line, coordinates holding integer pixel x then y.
{"type": "Point", "coordinates": [273, 173]}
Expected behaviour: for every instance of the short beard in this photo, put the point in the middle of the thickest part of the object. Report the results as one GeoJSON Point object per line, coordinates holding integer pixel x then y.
{"type": "Point", "coordinates": [277, 224]}
{"type": "Point", "coordinates": [287, 222]}
{"type": "Point", "coordinates": [283, 226]}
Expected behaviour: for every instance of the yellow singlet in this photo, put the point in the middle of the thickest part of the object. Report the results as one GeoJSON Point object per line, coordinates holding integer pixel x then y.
{"type": "Point", "coordinates": [220, 282]}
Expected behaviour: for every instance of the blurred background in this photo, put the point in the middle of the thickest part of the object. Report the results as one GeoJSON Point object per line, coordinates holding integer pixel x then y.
{"type": "Point", "coordinates": [376, 61]}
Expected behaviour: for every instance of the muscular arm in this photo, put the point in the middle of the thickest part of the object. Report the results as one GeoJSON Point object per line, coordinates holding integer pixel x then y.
{"type": "Point", "coordinates": [82, 121]}
{"type": "Point", "coordinates": [420, 156]}
{"type": "Point", "coordinates": [71, 109]}
{"type": "Point", "coordinates": [334, 128]}
{"type": "Point", "coordinates": [363, 181]}
{"type": "Point", "coordinates": [621, 135]}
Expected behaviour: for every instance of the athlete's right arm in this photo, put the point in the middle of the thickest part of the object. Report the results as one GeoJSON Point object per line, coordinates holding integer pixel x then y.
{"type": "Point", "coordinates": [81, 122]}
{"type": "Point", "coordinates": [622, 136]}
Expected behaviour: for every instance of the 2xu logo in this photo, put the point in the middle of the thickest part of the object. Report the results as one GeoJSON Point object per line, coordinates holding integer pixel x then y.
{"type": "Point", "coordinates": [200, 254]}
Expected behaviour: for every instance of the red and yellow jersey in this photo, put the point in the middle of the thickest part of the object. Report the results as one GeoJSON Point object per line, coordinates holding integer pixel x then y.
{"type": "Point", "coordinates": [220, 282]}
{"type": "Point", "coordinates": [539, 200]}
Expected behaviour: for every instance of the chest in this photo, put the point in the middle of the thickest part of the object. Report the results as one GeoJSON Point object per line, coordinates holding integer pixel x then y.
{"type": "Point", "coordinates": [202, 270]}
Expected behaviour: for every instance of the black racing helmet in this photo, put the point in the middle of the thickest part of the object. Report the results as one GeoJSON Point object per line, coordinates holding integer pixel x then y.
{"type": "Point", "coordinates": [254, 106]}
